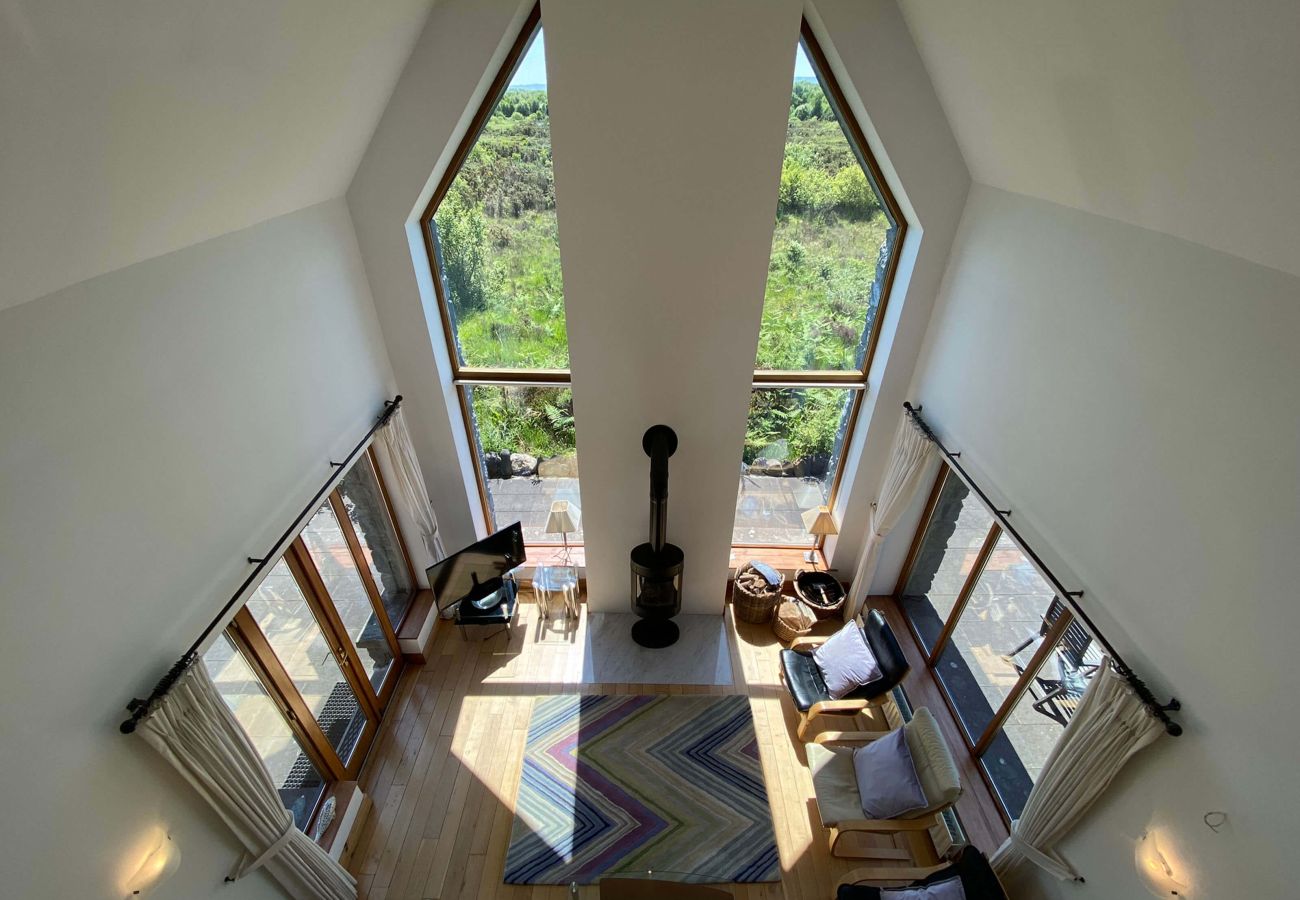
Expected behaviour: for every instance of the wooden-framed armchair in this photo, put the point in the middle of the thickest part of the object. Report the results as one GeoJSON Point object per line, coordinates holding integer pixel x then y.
{"type": "Point", "coordinates": [835, 782]}
{"type": "Point", "coordinates": [971, 868]}
{"type": "Point", "coordinates": [807, 688]}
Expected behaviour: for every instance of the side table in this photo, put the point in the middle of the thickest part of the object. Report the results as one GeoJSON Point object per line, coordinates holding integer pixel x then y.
{"type": "Point", "coordinates": [556, 583]}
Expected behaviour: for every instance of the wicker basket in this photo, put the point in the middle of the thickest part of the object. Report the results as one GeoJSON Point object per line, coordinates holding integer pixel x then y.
{"type": "Point", "coordinates": [792, 620]}
{"type": "Point", "coordinates": [754, 606]}
{"type": "Point", "coordinates": [803, 588]}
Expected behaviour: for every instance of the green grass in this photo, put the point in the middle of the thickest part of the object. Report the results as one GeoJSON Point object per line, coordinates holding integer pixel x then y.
{"type": "Point", "coordinates": [521, 324]}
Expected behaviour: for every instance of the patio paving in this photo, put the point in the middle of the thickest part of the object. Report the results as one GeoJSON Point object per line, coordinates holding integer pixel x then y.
{"type": "Point", "coordinates": [1006, 608]}
{"type": "Point", "coordinates": [769, 509]}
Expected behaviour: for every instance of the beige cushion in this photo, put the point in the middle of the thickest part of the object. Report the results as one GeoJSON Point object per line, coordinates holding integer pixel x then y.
{"type": "Point", "coordinates": [836, 784]}
{"type": "Point", "coordinates": [935, 766]}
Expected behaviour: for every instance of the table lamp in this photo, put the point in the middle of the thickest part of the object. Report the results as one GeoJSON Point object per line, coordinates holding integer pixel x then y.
{"type": "Point", "coordinates": [819, 523]}
{"type": "Point", "coordinates": [564, 518]}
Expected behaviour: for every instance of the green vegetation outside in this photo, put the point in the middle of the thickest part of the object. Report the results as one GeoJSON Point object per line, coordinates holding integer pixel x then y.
{"type": "Point", "coordinates": [500, 259]}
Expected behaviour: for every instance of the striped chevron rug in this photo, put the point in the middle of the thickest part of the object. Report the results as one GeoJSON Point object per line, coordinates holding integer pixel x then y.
{"type": "Point", "coordinates": [624, 784]}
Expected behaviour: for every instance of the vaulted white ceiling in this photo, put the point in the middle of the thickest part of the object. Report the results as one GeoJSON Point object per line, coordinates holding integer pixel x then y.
{"type": "Point", "coordinates": [132, 128]}
{"type": "Point", "coordinates": [1178, 115]}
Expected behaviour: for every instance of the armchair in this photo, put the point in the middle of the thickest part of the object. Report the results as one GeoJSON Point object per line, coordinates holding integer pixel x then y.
{"type": "Point", "coordinates": [835, 782]}
{"type": "Point", "coordinates": [804, 680]}
{"type": "Point", "coordinates": [978, 881]}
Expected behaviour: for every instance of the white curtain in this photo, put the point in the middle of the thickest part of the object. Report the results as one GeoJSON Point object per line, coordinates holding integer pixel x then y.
{"type": "Point", "coordinates": [194, 730]}
{"type": "Point", "coordinates": [395, 451]}
{"type": "Point", "coordinates": [908, 461]}
{"type": "Point", "coordinates": [1110, 725]}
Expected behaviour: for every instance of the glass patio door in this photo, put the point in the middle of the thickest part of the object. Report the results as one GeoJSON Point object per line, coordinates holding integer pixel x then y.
{"type": "Point", "coordinates": [311, 661]}
{"type": "Point", "coordinates": [1008, 656]}
{"type": "Point", "coordinates": [281, 624]}
{"type": "Point", "coordinates": [363, 638]}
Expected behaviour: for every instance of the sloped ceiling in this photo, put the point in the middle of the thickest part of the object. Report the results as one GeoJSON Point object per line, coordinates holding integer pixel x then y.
{"type": "Point", "coordinates": [1178, 115]}
{"type": "Point", "coordinates": [129, 129]}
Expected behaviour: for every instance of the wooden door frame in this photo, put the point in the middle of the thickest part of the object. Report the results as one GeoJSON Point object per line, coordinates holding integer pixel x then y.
{"type": "Point", "coordinates": [276, 675]}
{"type": "Point", "coordinates": [331, 623]}
{"type": "Point", "coordinates": [978, 746]}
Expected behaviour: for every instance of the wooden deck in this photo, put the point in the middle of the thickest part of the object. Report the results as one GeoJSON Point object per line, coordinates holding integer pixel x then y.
{"type": "Point", "coordinates": [445, 769]}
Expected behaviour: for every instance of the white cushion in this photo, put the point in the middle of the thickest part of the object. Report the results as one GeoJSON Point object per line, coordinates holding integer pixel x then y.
{"type": "Point", "coordinates": [948, 889]}
{"type": "Point", "coordinates": [846, 662]}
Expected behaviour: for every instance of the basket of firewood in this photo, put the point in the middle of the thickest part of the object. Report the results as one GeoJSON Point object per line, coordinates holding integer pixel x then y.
{"type": "Point", "coordinates": [792, 620]}
{"type": "Point", "coordinates": [756, 591]}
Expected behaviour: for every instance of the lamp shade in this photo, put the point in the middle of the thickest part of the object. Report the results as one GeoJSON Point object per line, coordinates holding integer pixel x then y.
{"type": "Point", "coordinates": [819, 521]}
{"type": "Point", "coordinates": [564, 518]}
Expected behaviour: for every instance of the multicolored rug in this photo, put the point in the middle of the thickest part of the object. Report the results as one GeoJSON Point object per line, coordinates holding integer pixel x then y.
{"type": "Point", "coordinates": [623, 784]}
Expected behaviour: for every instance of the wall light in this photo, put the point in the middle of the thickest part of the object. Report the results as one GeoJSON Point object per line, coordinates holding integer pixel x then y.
{"type": "Point", "coordinates": [157, 867]}
{"type": "Point", "coordinates": [1155, 868]}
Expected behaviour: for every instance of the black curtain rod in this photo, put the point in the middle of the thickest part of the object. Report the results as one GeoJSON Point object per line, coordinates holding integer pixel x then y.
{"type": "Point", "coordinates": [137, 707]}
{"type": "Point", "coordinates": [1159, 710]}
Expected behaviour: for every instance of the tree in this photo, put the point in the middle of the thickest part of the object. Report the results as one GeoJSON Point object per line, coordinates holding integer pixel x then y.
{"type": "Point", "coordinates": [462, 238]}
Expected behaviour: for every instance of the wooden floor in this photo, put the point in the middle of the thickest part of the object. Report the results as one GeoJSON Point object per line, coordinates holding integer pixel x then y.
{"type": "Point", "coordinates": [445, 769]}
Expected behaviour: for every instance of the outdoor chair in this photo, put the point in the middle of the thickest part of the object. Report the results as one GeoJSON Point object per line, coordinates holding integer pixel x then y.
{"type": "Point", "coordinates": [835, 783]}
{"type": "Point", "coordinates": [978, 880]}
{"type": "Point", "coordinates": [1057, 697]}
{"type": "Point", "coordinates": [804, 680]}
{"type": "Point", "coordinates": [1054, 611]}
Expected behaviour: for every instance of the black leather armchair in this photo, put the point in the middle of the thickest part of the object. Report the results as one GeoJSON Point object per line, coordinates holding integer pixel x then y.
{"type": "Point", "coordinates": [804, 679]}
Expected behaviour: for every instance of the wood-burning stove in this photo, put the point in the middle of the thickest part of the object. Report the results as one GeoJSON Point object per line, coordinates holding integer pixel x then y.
{"type": "Point", "coordinates": [657, 565]}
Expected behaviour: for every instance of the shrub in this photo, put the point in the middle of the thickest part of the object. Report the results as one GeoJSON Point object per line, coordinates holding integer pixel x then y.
{"type": "Point", "coordinates": [804, 190]}
{"type": "Point", "coordinates": [852, 194]}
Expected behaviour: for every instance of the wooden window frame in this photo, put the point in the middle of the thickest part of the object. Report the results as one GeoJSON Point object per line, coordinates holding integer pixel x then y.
{"type": "Point", "coordinates": [979, 745]}
{"type": "Point", "coordinates": [465, 378]}
{"type": "Point", "coordinates": [854, 380]}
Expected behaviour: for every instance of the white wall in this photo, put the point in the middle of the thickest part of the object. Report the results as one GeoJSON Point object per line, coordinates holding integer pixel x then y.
{"type": "Point", "coordinates": [668, 122]}
{"type": "Point", "coordinates": [1133, 399]}
{"type": "Point", "coordinates": [160, 423]}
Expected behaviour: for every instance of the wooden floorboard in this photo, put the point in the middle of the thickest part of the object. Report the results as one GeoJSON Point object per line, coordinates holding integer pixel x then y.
{"type": "Point", "coordinates": [445, 769]}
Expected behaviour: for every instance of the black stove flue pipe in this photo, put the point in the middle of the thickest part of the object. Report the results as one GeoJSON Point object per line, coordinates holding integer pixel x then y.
{"type": "Point", "coordinates": [657, 564]}
{"type": "Point", "coordinates": [660, 442]}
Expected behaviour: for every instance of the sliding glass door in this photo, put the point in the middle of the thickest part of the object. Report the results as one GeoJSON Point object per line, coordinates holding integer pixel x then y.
{"type": "Point", "coordinates": [284, 630]}
{"type": "Point", "coordinates": [1009, 658]}
{"type": "Point", "coordinates": [311, 661]}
